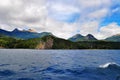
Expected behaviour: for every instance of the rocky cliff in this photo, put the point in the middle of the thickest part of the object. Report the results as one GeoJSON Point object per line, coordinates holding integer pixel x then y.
{"type": "Point", "coordinates": [48, 44]}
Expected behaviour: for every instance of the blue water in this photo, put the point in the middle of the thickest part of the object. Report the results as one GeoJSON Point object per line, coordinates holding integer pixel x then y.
{"type": "Point", "coordinates": [59, 64]}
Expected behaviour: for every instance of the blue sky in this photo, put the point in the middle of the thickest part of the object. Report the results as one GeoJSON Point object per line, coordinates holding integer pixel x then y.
{"type": "Point", "coordinates": [64, 18]}
{"type": "Point", "coordinates": [114, 17]}
{"type": "Point", "coordinates": [102, 15]}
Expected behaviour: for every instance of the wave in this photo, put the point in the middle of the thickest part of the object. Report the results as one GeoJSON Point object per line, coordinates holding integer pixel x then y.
{"type": "Point", "coordinates": [25, 79]}
{"type": "Point", "coordinates": [7, 73]}
{"type": "Point", "coordinates": [109, 64]}
{"type": "Point", "coordinates": [108, 71]}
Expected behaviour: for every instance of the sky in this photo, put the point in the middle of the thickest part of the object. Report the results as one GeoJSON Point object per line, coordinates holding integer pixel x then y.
{"type": "Point", "coordinates": [63, 18]}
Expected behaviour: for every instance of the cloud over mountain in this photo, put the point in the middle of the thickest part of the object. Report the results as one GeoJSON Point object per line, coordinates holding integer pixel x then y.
{"type": "Point", "coordinates": [63, 18]}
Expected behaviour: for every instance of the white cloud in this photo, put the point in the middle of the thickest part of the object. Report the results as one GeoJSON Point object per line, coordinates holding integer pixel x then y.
{"type": "Point", "coordinates": [99, 13]}
{"type": "Point", "coordinates": [60, 29]}
{"type": "Point", "coordinates": [94, 3]}
{"type": "Point", "coordinates": [89, 28]}
{"type": "Point", "coordinates": [47, 15]}
{"type": "Point", "coordinates": [104, 32]}
{"type": "Point", "coordinates": [67, 9]}
{"type": "Point", "coordinates": [109, 30]}
{"type": "Point", "coordinates": [61, 11]}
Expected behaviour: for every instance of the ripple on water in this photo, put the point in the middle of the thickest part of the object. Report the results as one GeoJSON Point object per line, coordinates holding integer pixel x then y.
{"type": "Point", "coordinates": [6, 73]}
{"type": "Point", "coordinates": [25, 79]}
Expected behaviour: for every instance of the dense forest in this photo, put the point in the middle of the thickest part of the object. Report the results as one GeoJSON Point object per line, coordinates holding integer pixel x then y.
{"type": "Point", "coordinates": [51, 42]}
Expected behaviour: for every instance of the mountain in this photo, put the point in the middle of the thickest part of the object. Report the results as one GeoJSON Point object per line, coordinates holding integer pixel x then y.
{"type": "Point", "coordinates": [21, 34]}
{"type": "Point", "coordinates": [90, 37]}
{"type": "Point", "coordinates": [51, 42]}
{"type": "Point", "coordinates": [4, 32]}
{"type": "Point", "coordinates": [79, 37]}
{"type": "Point", "coordinates": [47, 42]}
{"type": "Point", "coordinates": [76, 37]}
{"type": "Point", "coordinates": [30, 30]}
{"type": "Point", "coordinates": [16, 30]}
{"type": "Point", "coordinates": [115, 38]}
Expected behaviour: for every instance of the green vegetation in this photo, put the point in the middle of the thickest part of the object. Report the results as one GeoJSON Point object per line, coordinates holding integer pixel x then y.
{"type": "Point", "coordinates": [50, 42]}
{"type": "Point", "coordinates": [99, 45]}
{"type": "Point", "coordinates": [64, 44]}
{"type": "Point", "coordinates": [57, 43]}
{"type": "Point", "coordinates": [7, 42]}
{"type": "Point", "coordinates": [115, 38]}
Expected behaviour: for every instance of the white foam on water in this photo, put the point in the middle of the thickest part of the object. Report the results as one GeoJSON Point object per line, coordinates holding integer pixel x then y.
{"type": "Point", "coordinates": [108, 64]}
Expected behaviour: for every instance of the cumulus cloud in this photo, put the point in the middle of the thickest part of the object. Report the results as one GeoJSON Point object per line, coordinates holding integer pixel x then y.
{"type": "Point", "coordinates": [99, 13]}
{"type": "Point", "coordinates": [63, 18]}
{"type": "Point", "coordinates": [109, 30]}
{"type": "Point", "coordinates": [89, 27]}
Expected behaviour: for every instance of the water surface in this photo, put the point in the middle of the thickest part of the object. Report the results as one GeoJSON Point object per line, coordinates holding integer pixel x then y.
{"type": "Point", "coordinates": [59, 64]}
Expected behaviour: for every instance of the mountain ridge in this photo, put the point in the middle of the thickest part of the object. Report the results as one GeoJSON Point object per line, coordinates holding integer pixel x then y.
{"type": "Point", "coordinates": [51, 42]}
{"type": "Point", "coordinates": [20, 34]}
{"type": "Point", "coordinates": [31, 33]}
{"type": "Point", "coordinates": [114, 38]}
{"type": "Point", "coordinates": [79, 37]}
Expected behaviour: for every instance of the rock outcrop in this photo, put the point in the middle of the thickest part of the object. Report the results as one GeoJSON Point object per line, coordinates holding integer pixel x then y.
{"type": "Point", "coordinates": [45, 45]}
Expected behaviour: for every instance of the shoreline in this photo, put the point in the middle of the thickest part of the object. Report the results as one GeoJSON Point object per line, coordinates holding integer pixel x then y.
{"type": "Point", "coordinates": [52, 49]}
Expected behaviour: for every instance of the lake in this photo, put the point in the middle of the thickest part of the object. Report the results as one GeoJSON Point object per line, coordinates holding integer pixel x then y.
{"type": "Point", "coordinates": [28, 64]}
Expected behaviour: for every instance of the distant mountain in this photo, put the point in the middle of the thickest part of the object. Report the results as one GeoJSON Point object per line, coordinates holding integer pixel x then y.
{"type": "Point", "coordinates": [51, 42]}
{"type": "Point", "coordinates": [79, 37]}
{"type": "Point", "coordinates": [115, 38]}
{"type": "Point", "coordinates": [4, 32]}
{"type": "Point", "coordinates": [22, 34]}
{"type": "Point", "coordinates": [90, 37]}
{"type": "Point", "coordinates": [30, 30]}
{"type": "Point", "coordinates": [76, 37]}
